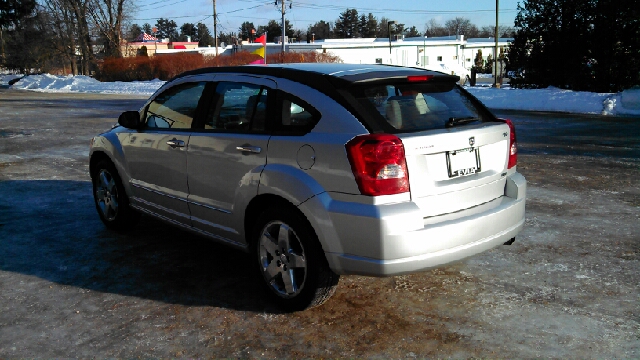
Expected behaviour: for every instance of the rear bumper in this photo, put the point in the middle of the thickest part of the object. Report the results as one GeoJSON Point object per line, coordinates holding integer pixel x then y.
{"type": "Point", "coordinates": [388, 242]}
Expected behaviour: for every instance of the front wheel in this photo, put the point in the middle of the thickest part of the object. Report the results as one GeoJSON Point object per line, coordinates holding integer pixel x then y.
{"type": "Point", "coordinates": [111, 199]}
{"type": "Point", "coordinates": [291, 261]}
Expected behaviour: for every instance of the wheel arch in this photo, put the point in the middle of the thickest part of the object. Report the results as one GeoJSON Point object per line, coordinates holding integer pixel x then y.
{"type": "Point", "coordinates": [258, 205]}
{"type": "Point", "coordinates": [95, 158]}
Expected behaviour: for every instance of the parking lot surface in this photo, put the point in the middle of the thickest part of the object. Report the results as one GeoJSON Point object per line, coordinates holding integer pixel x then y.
{"type": "Point", "coordinates": [568, 286]}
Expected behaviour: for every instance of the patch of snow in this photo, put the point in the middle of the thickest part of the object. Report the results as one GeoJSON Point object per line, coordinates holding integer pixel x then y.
{"type": "Point", "coordinates": [86, 84]}
{"type": "Point", "coordinates": [608, 106]}
{"type": "Point", "coordinates": [549, 99]}
{"type": "Point", "coordinates": [630, 98]}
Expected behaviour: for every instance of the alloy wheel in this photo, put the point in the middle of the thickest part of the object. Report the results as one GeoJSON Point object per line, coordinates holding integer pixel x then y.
{"type": "Point", "coordinates": [282, 259]}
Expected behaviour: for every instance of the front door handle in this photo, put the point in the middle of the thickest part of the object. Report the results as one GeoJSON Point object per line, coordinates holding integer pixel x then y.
{"type": "Point", "coordinates": [251, 149]}
{"type": "Point", "coordinates": [174, 143]}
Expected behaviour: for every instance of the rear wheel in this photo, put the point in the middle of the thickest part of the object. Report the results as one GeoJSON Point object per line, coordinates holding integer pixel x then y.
{"type": "Point", "coordinates": [111, 199]}
{"type": "Point", "coordinates": [291, 262]}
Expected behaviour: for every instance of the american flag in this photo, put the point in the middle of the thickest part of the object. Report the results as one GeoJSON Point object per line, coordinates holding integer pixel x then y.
{"type": "Point", "coordinates": [145, 37]}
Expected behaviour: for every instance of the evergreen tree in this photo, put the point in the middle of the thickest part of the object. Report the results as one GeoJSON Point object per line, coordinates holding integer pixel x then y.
{"type": "Point", "coordinates": [371, 28]}
{"type": "Point", "coordinates": [411, 32]}
{"type": "Point", "coordinates": [581, 44]}
{"type": "Point", "coordinates": [478, 62]}
{"type": "Point", "coordinates": [245, 30]}
{"type": "Point", "coordinates": [347, 25]}
{"type": "Point", "coordinates": [488, 67]}
{"type": "Point", "coordinates": [12, 12]}
{"type": "Point", "coordinates": [190, 30]}
{"type": "Point", "coordinates": [383, 28]}
{"type": "Point", "coordinates": [167, 29]}
{"type": "Point", "coordinates": [134, 31]}
{"type": "Point", "coordinates": [321, 29]}
{"type": "Point", "coordinates": [274, 29]}
{"type": "Point", "coordinates": [204, 36]}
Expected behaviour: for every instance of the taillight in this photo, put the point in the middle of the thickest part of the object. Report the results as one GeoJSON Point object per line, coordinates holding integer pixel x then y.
{"type": "Point", "coordinates": [378, 164]}
{"type": "Point", "coordinates": [419, 78]}
{"type": "Point", "coordinates": [513, 145]}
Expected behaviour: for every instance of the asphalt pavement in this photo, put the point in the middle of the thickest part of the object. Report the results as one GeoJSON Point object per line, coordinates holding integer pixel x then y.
{"type": "Point", "coordinates": [568, 286]}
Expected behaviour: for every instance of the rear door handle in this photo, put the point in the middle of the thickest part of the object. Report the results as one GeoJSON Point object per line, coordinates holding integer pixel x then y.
{"type": "Point", "coordinates": [251, 149]}
{"type": "Point", "coordinates": [174, 143]}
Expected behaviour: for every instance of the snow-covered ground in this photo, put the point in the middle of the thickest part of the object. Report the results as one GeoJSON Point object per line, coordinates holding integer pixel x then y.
{"type": "Point", "coordinates": [550, 99]}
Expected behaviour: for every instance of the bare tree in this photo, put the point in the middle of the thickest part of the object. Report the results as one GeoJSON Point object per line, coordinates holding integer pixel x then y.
{"type": "Point", "coordinates": [108, 17]}
{"type": "Point", "coordinates": [503, 31]}
{"type": "Point", "coordinates": [433, 29]}
{"type": "Point", "coordinates": [62, 20]}
{"type": "Point", "coordinates": [80, 10]}
{"type": "Point", "coordinates": [460, 26]}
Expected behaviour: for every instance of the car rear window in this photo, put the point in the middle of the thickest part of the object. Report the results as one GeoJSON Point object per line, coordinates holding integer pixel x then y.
{"type": "Point", "coordinates": [411, 107]}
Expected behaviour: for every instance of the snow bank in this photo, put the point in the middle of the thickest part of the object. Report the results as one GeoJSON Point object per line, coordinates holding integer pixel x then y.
{"type": "Point", "coordinates": [80, 83]}
{"type": "Point", "coordinates": [625, 103]}
{"type": "Point", "coordinates": [5, 78]}
{"type": "Point", "coordinates": [549, 99]}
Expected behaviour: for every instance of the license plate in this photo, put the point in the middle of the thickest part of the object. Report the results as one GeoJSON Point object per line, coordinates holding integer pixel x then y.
{"type": "Point", "coordinates": [463, 162]}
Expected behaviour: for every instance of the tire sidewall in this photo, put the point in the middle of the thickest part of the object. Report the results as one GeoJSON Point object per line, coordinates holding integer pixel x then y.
{"type": "Point", "coordinates": [124, 216]}
{"type": "Point", "coordinates": [314, 257]}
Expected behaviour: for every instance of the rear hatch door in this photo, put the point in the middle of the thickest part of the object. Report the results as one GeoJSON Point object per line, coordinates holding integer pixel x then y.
{"type": "Point", "coordinates": [456, 150]}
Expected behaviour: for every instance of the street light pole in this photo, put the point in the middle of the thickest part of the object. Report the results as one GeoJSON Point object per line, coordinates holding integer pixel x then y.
{"type": "Point", "coordinates": [495, 52]}
{"type": "Point", "coordinates": [424, 50]}
{"type": "Point", "coordinates": [215, 26]}
{"type": "Point", "coordinates": [389, 23]}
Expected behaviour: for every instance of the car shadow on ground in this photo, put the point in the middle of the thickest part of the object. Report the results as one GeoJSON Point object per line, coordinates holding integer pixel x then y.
{"type": "Point", "coordinates": [50, 229]}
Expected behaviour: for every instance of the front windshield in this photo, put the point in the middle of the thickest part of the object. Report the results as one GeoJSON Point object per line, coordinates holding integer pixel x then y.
{"type": "Point", "coordinates": [418, 107]}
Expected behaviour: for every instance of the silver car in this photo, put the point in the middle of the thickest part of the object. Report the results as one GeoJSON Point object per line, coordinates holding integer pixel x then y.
{"type": "Point", "coordinates": [317, 170]}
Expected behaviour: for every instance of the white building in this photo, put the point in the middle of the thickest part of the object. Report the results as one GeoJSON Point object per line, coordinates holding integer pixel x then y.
{"type": "Point", "coordinates": [448, 54]}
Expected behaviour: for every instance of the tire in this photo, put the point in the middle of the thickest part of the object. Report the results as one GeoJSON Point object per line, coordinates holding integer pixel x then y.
{"type": "Point", "coordinates": [290, 260]}
{"type": "Point", "coordinates": [111, 199]}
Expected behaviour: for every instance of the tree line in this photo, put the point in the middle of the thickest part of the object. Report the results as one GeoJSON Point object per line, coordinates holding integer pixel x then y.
{"type": "Point", "coordinates": [589, 45]}
{"type": "Point", "coordinates": [72, 36]}
{"type": "Point", "coordinates": [575, 44]}
{"type": "Point", "coordinates": [60, 34]}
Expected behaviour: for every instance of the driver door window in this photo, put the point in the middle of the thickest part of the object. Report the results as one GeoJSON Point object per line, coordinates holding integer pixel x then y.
{"type": "Point", "coordinates": [175, 108]}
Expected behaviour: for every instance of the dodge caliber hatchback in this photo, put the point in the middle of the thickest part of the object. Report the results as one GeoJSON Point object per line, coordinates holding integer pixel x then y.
{"type": "Point", "coordinates": [317, 170]}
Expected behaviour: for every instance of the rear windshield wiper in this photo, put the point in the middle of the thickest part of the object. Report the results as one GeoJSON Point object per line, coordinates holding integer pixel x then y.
{"type": "Point", "coordinates": [453, 121]}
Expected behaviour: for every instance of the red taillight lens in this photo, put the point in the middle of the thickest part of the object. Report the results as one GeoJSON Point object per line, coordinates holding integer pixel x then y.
{"type": "Point", "coordinates": [513, 145]}
{"type": "Point", "coordinates": [378, 164]}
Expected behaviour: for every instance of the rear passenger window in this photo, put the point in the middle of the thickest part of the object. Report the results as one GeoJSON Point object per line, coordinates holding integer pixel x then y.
{"type": "Point", "coordinates": [175, 108]}
{"type": "Point", "coordinates": [238, 106]}
{"type": "Point", "coordinates": [296, 116]}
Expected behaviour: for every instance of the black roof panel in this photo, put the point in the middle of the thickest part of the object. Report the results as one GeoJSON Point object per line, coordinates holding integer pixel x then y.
{"type": "Point", "coordinates": [336, 73]}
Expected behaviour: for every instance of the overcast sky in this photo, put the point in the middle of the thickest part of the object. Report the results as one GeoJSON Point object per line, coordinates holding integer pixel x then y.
{"type": "Point", "coordinates": [231, 13]}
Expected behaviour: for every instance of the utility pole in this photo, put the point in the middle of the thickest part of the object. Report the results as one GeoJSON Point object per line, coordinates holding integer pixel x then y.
{"type": "Point", "coordinates": [283, 27]}
{"type": "Point", "coordinates": [495, 52]}
{"type": "Point", "coordinates": [215, 26]}
{"type": "Point", "coordinates": [283, 24]}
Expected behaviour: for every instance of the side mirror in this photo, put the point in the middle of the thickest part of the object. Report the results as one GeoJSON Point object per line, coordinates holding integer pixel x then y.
{"type": "Point", "coordinates": [130, 119]}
